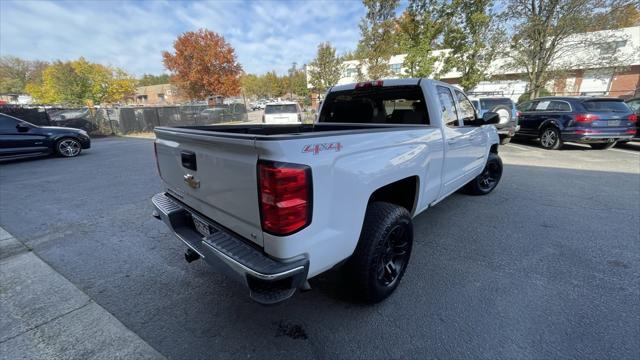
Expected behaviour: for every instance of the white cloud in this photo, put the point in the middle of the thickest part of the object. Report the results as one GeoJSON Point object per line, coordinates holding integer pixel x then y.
{"type": "Point", "coordinates": [132, 35]}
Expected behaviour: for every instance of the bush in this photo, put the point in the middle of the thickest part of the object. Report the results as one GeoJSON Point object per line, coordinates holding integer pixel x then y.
{"type": "Point", "coordinates": [526, 96]}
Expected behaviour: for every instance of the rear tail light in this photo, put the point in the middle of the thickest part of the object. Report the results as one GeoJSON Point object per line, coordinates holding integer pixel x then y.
{"type": "Point", "coordinates": [632, 118]}
{"type": "Point", "coordinates": [155, 153]}
{"type": "Point", "coordinates": [285, 197]}
{"type": "Point", "coordinates": [518, 113]}
{"type": "Point", "coordinates": [263, 118]}
{"type": "Point", "coordinates": [631, 131]}
{"type": "Point", "coordinates": [369, 84]}
{"type": "Point", "coordinates": [586, 118]}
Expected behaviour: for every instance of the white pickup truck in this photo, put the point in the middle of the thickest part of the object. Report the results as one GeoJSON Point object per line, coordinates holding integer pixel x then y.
{"type": "Point", "coordinates": [276, 205]}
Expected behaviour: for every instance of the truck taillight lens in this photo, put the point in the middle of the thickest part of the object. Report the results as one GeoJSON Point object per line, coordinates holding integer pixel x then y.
{"type": "Point", "coordinates": [633, 118]}
{"type": "Point", "coordinates": [586, 118]}
{"type": "Point", "coordinates": [155, 153]}
{"type": "Point", "coordinates": [285, 197]}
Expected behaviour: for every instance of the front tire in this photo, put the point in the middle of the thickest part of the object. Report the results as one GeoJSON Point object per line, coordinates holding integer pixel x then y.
{"type": "Point", "coordinates": [603, 146]}
{"type": "Point", "coordinates": [382, 254]}
{"type": "Point", "coordinates": [488, 179]}
{"type": "Point", "coordinates": [550, 138]}
{"type": "Point", "coordinates": [68, 147]}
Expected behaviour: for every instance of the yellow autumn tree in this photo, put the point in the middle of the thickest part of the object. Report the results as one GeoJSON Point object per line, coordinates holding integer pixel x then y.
{"type": "Point", "coordinates": [79, 82]}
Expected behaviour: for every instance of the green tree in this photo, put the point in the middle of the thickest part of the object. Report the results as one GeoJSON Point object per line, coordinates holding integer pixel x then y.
{"type": "Point", "coordinates": [79, 82]}
{"type": "Point", "coordinates": [378, 41]}
{"type": "Point", "coordinates": [474, 38]}
{"type": "Point", "coordinates": [326, 69]}
{"type": "Point", "coordinates": [421, 29]}
{"type": "Point", "coordinates": [149, 79]}
{"type": "Point", "coordinates": [545, 37]}
{"type": "Point", "coordinates": [16, 73]}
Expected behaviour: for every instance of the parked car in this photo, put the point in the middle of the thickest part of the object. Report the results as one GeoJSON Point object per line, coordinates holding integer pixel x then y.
{"type": "Point", "coordinates": [506, 108]}
{"type": "Point", "coordinates": [20, 139]}
{"type": "Point", "coordinates": [282, 113]}
{"type": "Point", "coordinates": [73, 118]}
{"type": "Point", "coordinates": [634, 105]}
{"type": "Point", "coordinates": [274, 206]}
{"type": "Point", "coordinates": [222, 114]}
{"type": "Point", "coordinates": [597, 121]}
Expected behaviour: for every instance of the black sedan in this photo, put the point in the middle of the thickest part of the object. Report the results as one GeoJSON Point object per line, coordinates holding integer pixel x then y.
{"type": "Point", "coordinates": [20, 139]}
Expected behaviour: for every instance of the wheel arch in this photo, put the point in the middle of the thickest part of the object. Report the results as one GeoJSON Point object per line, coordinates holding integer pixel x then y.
{"type": "Point", "coordinates": [403, 192]}
{"type": "Point", "coordinates": [550, 122]}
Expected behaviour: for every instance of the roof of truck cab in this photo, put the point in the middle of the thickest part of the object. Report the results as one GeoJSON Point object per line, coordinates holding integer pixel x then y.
{"type": "Point", "coordinates": [391, 82]}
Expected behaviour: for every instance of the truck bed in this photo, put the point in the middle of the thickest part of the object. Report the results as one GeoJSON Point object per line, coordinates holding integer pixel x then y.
{"type": "Point", "coordinates": [281, 132]}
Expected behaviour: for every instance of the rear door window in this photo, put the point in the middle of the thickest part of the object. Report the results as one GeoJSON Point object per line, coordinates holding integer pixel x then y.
{"type": "Point", "coordinates": [605, 106]}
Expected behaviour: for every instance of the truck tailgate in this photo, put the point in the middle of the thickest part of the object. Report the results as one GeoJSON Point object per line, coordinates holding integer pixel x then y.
{"type": "Point", "coordinates": [222, 182]}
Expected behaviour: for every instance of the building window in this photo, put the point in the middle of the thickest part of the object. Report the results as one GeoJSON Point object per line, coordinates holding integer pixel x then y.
{"type": "Point", "coordinates": [160, 97]}
{"type": "Point", "coordinates": [611, 47]}
{"type": "Point", "coordinates": [142, 99]}
{"type": "Point", "coordinates": [350, 72]}
{"type": "Point", "coordinates": [395, 68]}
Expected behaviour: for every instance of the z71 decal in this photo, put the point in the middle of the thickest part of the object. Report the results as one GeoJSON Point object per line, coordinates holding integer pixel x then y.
{"type": "Point", "coordinates": [317, 148]}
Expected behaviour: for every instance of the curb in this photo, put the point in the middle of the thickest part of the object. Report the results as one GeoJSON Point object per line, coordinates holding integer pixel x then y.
{"type": "Point", "coordinates": [45, 316]}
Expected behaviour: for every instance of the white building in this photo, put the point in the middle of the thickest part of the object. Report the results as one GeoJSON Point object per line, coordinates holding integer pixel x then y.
{"type": "Point", "coordinates": [585, 75]}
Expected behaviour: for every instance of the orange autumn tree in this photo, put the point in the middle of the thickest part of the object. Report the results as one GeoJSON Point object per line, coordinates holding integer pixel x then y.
{"type": "Point", "coordinates": [203, 64]}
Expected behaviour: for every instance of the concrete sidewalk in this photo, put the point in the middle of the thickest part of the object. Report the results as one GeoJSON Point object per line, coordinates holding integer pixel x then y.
{"type": "Point", "coordinates": [44, 316]}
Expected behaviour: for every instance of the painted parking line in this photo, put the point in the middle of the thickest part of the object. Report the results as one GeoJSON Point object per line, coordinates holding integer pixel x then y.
{"type": "Point", "coordinates": [626, 151]}
{"type": "Point", "coordinates": [518, 147]}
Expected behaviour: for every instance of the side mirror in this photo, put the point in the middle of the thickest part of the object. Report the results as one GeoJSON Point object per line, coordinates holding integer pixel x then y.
{"type": "Point", "coordinates": [490, 118]}
{"type": "Point", "coordinates": [22, 128]}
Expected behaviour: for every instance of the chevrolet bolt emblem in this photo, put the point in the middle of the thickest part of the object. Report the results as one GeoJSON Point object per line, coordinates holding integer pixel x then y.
{"type": "Point", "coordinates": [191, 181]}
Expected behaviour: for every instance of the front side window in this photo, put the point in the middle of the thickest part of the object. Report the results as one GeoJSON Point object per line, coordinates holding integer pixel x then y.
{"type": "Point", "coordinates": [467, 112]}
{"type": "Point", "coordinates": [448, 107]}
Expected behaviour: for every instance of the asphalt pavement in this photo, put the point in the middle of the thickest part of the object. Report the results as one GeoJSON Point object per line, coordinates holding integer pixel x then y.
{"type": "Point", "coordinates": [547, 266]}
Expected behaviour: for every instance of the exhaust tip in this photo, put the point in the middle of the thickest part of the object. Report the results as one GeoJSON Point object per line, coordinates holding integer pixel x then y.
{"type": "Point", "coordinates": [191, 256]}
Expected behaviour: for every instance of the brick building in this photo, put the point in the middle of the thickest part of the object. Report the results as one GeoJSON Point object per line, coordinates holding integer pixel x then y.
{"type": "Point", "coordinates": [162, 94]}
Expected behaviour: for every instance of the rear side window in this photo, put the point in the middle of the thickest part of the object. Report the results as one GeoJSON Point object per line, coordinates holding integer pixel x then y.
{"type": "Point", "coordinates": [605, 106]}
{"type": "Point", "coordinates": [448, 110]}
{"type": "Point", "coordinates": [634, 105]}
{"type": "Point", "coordinates": [491, 104]}
{"type": "Point", "coordinates": [281, 109]}
{"type": "Point", "coordinates": [390, 105]}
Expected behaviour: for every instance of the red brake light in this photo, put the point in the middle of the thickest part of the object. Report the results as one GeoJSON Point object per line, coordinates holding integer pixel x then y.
{"type": "Point", "coordinates": [155, 153]}
{"type": "Point", "coordinates": [632, 118]}
{"type": "Point", "coordinates": [631, 131]}
{"type": "Point", "coordinates": [368, 84]}
{"type": "Point", "coordinates": [285, 197]}
{"type": "Point", "coordinates": [518, 113]}
{"type": "Point", "coordinates": [586, 118]}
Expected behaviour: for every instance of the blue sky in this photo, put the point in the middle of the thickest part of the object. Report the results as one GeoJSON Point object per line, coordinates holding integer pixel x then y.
{"type": "Point", "coordinates": [267, 35]}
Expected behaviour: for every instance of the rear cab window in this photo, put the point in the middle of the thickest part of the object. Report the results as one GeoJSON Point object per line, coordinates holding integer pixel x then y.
{"type": "Point", "coordinates": [380, 105]}
{"type": "Point", "coordinates": [281, 109]}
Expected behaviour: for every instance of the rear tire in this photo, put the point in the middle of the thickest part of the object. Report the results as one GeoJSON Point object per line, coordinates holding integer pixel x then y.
{"type": "Point", "coordinates": [488, 179]}
{"type": "Point", "coordinates": [382, 254]}
{"type": "Point", "coordinates": [550, 138]}
{"type": "Point", "coordinates": [603, 146]}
